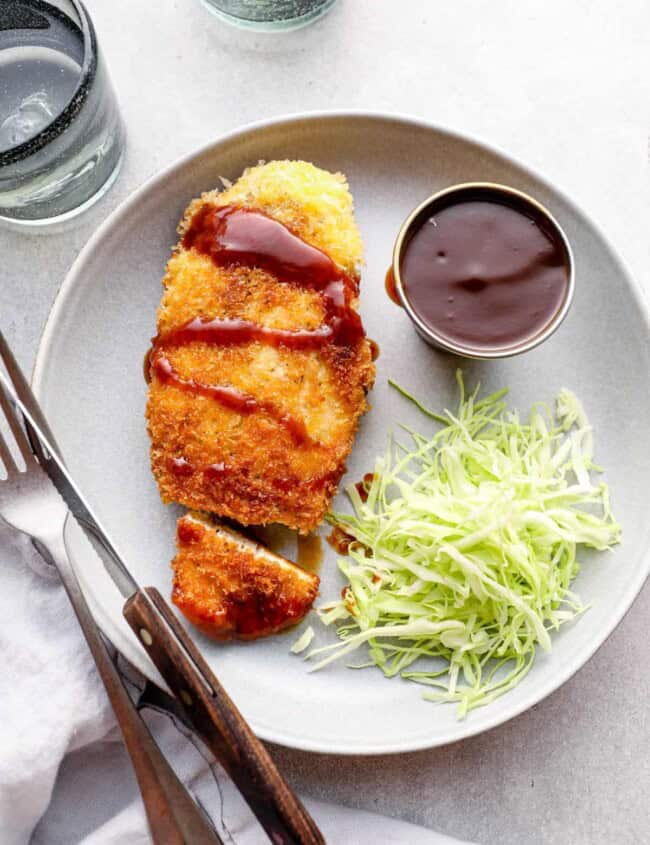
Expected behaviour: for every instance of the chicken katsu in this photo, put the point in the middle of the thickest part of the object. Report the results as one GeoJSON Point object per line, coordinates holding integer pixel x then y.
{"type": "Point", "coordinates": [260, 368]}
{"type": "Point", "coordinates": [231, 587]}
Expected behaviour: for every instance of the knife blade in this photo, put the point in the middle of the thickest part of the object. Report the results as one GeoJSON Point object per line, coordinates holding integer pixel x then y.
{"type": "Point", "coordinates": [51, 462]}
{"type": "Point", "coordinates": [205, 702]}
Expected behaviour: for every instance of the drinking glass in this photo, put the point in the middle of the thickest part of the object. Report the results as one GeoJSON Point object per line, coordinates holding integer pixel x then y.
{"type": "Point", "coordinates": [269, 15]}
{"type": "Point", "coordinates": [61, 135]}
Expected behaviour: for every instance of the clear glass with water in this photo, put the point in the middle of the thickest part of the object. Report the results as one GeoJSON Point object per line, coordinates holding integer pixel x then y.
{"type": "Point", "coordinates": [269, 15]}
{"type": "Point", "coordinates": [61, 134]}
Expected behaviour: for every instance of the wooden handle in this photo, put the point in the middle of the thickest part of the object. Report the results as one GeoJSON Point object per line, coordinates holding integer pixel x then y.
{"type": "Point", "coordinates": [173, 816]}
{"type": "Point", "coordinates": [216, 719]}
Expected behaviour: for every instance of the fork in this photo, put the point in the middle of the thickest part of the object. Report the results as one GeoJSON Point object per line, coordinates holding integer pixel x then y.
{"type": "Point", "coordinates": [30, 504]}
{"type": "Point", "coordinates": [204, 702]}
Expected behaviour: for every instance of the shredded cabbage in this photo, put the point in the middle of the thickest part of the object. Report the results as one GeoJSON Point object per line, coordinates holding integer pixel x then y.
{"type": "Point", "coordinates": [466, 547]}
{"type": "Point", "coordinates": [303, 641]}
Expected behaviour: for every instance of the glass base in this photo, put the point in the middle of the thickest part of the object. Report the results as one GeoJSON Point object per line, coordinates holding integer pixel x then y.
{"type": "Point", "coordinates": [268, 26]}
{"type": "Point", "coordinates": [18, 223]}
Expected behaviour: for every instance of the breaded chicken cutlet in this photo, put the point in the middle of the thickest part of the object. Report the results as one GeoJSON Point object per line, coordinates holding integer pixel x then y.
{"type": "Point", "coordinates": [231, 587]}
{"type": "Point", "coordinates": [260, 369]}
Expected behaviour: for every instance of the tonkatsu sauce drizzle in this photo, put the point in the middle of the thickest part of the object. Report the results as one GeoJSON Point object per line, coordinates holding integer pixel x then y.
{"type": "Point", "coordinates": [309, 552]}
{"type": "Point", "coordinates": [391, 287]}
{"type": "Point", "coordinates": [339, 540]}
{"type": "Point", "coordinates": [374, 349]}
{"type": "Point", "coordinates": [230, 332]}
{"type": "Point", "coordinates": [182, 468]}
{"type": "Point", "coordinates": [363, 486]}
{"type": "Point", "coordinates": [230, 397]}
{"type": "Point", "coordinates": [234, 236]}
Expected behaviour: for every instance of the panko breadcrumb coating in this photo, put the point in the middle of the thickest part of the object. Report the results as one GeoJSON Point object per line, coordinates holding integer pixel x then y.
{"type": "Point", "coordinates": [249, 466]}
{"type": "Point", "coordinates": [231, 587]}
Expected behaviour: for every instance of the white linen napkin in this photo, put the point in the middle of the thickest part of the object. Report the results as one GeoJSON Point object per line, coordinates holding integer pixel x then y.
{"type": "Point", "coordinates": [52, 702]}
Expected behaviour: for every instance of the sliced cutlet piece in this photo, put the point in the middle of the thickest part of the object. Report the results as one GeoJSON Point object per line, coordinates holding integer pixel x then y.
{"type": "Point", "coordinates": [232, 587]}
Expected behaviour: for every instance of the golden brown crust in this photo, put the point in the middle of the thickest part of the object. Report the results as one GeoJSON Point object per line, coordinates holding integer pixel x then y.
{"type": "Point", "coordinates": [230, 587]}
{"type": "Point", "coordinates": [267, 476]}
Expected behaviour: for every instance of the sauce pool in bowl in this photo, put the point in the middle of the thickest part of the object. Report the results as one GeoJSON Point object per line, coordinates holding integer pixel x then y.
{"type": "Point", "coordinates": [483, 270]}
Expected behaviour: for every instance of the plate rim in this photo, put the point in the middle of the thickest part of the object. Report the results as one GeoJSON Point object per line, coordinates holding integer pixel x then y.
{"type": "Point", "coordinates": [464, 729]}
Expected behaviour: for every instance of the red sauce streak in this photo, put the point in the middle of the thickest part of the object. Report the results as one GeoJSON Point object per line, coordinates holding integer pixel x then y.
{"type": "Point", "coordinates": [215, 472]}
{"type": "Point", "coordinates": [228, 332]}
{"type": "Point", "coordinates": [146, 366]}
{"type": "Point", "coordinates": [229, 397]}
{"type": "Point", "coordinates": [233, 236]}
{"type": "Point", "coordinates": [189, 532]}
{"type": "Point", "coordinates": [181, 467]}
{"type": "Point", "coordinates": [340, 541]}
{"type": "Point", "coordinates": [363, 486]}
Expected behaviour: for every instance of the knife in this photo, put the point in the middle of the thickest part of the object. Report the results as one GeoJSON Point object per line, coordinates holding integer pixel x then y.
{"type": "Point", "coordinates": [204, 702]}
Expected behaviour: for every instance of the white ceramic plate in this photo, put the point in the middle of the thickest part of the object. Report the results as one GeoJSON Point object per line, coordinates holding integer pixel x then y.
{"type": "Point", "coordinates": [89, 379]}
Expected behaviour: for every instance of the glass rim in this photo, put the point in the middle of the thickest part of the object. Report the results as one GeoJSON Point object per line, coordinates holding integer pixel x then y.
{"type": "Point", "coordinates": [73, 107]}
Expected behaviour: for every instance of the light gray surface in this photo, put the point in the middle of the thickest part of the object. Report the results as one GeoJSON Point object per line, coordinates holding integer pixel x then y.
{"type": "Point", "coordinates": [566, 87]}
{"type": "Point", "coordinates": [109, 299]}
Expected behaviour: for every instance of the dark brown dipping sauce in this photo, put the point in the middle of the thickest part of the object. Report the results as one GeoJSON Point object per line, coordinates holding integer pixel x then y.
{"type": "Point", "coordinates": [485, 273]}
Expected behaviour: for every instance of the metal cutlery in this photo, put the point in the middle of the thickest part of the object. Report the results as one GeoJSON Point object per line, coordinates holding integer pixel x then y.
{"type": "Point", "coordinates": [30, 504]}
{"type": "Point", "coordinates": [204, 702]}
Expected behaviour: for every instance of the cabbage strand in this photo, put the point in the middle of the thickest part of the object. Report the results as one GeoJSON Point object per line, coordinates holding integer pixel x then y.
{"type": "Point", "coordinates": [466, 547]}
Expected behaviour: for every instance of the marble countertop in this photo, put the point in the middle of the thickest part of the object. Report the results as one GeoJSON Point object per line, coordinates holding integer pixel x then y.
{"type": "Point", "coordinates": [564, 87]}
